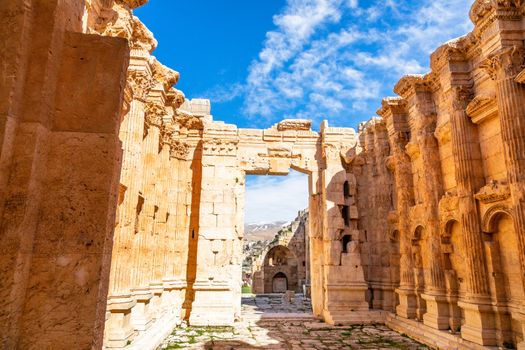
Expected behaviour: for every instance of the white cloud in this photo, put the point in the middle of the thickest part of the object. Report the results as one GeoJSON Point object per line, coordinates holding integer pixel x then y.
{"type": "Point", "coordinates": [336, 59]}
{"type": "Point", "coordinates": [353, 4]}
{"type": "Point", "coordinates": [294, 28]}
{"type": "Point", "coordinates": [272, 198]}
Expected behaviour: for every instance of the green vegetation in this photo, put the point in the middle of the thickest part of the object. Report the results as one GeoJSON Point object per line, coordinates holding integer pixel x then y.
{"type": "Point", "coordinates": [246, 290]}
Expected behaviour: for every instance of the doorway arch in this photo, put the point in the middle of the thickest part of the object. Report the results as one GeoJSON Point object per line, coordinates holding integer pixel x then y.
{"type": "Point", "coordinates": [280, 270]}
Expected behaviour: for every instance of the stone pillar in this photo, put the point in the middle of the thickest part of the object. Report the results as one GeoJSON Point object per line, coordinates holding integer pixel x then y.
{"type": "Point", "coordinates": [344, 282]}
{"type": "Point", "coordinates": [174, 263]}
{"type": "Point", "coordinates": [141, 316]}
{"type": "Point", "coordinates": [504, 67]}
{"type": "Point", "coordinates": [382, 278]}
{"type": "Point", "coordinates": [218, 276]}
{"type": "Point", "coordinates": [120, 302]}
{"type": "Point", "coordinates": [59, 179]}
{"type": "Point", "coordinates": [318, 214]}
{"type": "Point", "coordinates": [394, 112]}
{"type": "Point", "coordinates": [184, 191]}
{"type": "Point", "coordinates": [479, 322]}
{"type": "Point", "coordinates": [434, 295]}
{"type": "Point", "coordinates": [424, 147]}
{"type": "Point", "coordinates": [161, 244]}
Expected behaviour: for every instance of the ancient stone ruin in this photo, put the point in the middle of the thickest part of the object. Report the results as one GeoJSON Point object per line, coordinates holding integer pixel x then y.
{"type": "Point", "coordinates": [283, 263]}
{"type": "Point", "coordinates": [121, 202]}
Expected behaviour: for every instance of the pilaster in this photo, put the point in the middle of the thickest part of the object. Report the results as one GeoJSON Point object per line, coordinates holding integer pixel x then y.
{"type": "Point", "coordinates": [423, 150]}
{"type": "Point", "coordinates": [395, 113]}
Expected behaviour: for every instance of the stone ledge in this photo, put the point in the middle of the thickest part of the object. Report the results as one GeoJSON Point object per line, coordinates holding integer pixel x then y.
{"type": "Point", "coordinates": [432, 337]}
{"type": "Point", "coordinates": [153, 337]}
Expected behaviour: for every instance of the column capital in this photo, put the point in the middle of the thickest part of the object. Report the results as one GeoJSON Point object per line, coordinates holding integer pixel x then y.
{"type": "Point", "coordinates": [166, 134]}
{"type": "Point", "coordinates": [505, 63]}
{"type": "Point", "coordinates": [155, 112]}
{"type": "Point", "coordinates": [140, 84]}
{"type": "Point", "coordinates": [179, 150]}
{"type": "Point", "coordinates": [461, 96]}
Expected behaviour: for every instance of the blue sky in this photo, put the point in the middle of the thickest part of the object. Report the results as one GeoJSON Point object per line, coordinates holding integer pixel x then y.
{"type": "Point", "coordinates": [260, 61]}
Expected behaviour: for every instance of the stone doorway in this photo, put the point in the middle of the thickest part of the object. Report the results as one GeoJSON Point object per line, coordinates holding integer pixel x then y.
{"type": "Point", "coordinates": [276, 261]}
{"type": "Point", "coordinates": [279, 283]}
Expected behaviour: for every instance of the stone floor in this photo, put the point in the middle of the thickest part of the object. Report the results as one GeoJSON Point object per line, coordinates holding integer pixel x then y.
{"type": "Point", "coordinates": [271, 323]}
{"type": "Point", "coordinates": [275, 303]}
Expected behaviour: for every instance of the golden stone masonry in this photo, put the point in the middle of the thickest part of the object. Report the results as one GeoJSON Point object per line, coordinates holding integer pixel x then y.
{"type": "Point", "coordinates": [121, 202]}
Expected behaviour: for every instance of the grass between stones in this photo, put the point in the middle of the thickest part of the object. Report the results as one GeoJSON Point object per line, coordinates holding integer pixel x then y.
{"type": "Point", "coordinates": [181, 338]}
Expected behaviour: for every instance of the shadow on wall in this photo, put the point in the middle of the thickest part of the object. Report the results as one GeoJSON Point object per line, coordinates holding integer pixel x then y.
{"type": "Point", "coordinates": [193, 241]}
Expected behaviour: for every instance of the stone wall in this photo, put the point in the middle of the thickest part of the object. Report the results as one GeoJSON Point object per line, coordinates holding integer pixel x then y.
{"type": "Point", "coordinates": [448, 236]}
{"type": "Point", "coordinates": [61, 93]}
{"type": "Point", "coordinates": [121, 202]}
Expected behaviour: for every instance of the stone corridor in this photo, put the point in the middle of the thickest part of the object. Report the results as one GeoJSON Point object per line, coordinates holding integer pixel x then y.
{"type": "Point", "coordinates": [268, 322]}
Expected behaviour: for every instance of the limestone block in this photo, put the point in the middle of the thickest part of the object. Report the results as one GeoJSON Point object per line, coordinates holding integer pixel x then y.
{"type": "Point", "coordinates": [279, 166]}
{"type": "Point", "coordinates": [354, 213]}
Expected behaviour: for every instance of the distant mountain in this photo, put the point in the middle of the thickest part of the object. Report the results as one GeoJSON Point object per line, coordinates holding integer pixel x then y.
{"type": "Point", "coordinates": [262, 231]}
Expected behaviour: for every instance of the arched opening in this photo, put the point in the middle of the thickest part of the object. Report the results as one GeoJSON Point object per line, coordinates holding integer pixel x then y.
{"type": "Point", "coordinates": [279, 283]}
{"type": "Point", "coordinates": [501, 248]}
{"type": "Point", "coordinates": [394, 263]}
{"type": "Point", "coordinates": [281, 262]}
{"type": "Point", "coordinates": [420, 259]}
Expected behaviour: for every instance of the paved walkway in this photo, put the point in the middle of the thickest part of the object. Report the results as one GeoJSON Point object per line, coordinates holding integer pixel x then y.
{"type": "Point", "coordinates": [271, 323]}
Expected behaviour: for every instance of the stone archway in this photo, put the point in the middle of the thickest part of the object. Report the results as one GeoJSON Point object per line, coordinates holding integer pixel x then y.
{"type": "Point", "coordinates": [280, 261]}
{"type": "Point", "coordinates": [502, 256]}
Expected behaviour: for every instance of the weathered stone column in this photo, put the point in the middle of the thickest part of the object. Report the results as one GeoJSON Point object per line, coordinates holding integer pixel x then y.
{"type": "Point", "coordinates": [120, 302]}
{"type": "Point", "coordinates": [434, 295]}
{"type": "Point", "coordinates": [141, 316]}
{"type": "Point", "coordinates": [478, 325]}
{"type": "Point", "coordinates": [160, 244]}
{"type": "Point", "coordinates": [394, 112]}
{"type": "Point", "coordinates": [177, 227]}
{"type": "Point", "coordinates": [422, 119]}
{"type": "Point", "coordinates": [506, 68]}
{"type": "Point", "coordinates": [383, 286]}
